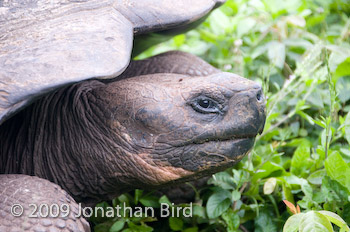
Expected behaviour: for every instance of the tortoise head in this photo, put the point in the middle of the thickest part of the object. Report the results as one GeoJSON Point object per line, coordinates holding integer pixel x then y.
{"type": "Point", "coordinates": [181, 127]}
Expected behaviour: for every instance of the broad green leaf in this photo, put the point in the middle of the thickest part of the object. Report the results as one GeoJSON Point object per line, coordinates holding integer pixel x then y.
{"type": "Point", "coordinates": [150, 201]}
{"type": "Point", "coordinates": [265, 221]}
{"type": "Point", "coordinates": [175, 224]}
{"type": "Point", "coordinates": [301, 162]}
{"type": "Point", "coordinates": [303, 183]}
{"type": "Point", "coordinates": [198, 211]}
{"type": "Point", "coordinates": [335, 218]}
{"type": "Point", "coordinates": [232, 220]}
{"type": "Point", "coordinates": [338, 169]}
{"type": "Point", "coordinates": [307, 190]}
{"type": "Point", "coordinates": [235, 195]}
{"type": "Point", "coordinates": [266, 170]}
{"type": "Point", "coordinates": [313, 221]}
{"type": "Point", "coordinates": [292, 224]}
{"type": "Point", "coordinates": [218, 203]}
{"type": "Point", "coordinates": [164, 199]}
{"type": "Point", "coordinates": [333, 191]}
{"type": "Point", "coordinates": [223, 180]}
{"type": "Point", "coordinates": [317, 177]}
{"type": "Point", "coordinates": [117, 226]}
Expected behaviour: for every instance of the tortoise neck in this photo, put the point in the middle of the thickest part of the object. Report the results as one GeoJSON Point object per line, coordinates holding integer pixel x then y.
{"type": "Point", "coordinates": [62, 137]}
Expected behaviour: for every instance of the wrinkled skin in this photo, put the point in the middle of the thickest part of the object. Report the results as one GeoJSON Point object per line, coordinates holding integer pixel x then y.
{"type": "Point", "coordinates": [167, 119]}
{"type": "Point", "coordinates": [140, 131]}
{"type": "Point", "coordinates": [98, 139]}
{"type": "Point", "coordinates": [185, 125]}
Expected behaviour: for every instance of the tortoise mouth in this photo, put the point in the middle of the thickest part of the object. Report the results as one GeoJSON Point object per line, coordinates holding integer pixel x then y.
{"type": "Point", "coordinates": [226, 149]}
{"type": "Point", "coordinates": [233, 149]}
{"type": "Point", "coordinates": [229, 148]}
{"type": "Point", "coordinates": [235, 138]}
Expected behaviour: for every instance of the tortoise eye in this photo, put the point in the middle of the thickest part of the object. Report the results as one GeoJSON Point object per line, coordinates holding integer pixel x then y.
{"type": "Point", "coordinates": [205, 105]}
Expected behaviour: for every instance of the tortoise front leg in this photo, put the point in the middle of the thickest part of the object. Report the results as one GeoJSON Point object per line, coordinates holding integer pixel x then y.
{"type": "Point", "coordinates": [29, 203]}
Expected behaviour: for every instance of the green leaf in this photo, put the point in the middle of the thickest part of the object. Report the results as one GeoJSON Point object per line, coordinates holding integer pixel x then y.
{"type": "Point", "coordinates": [150, 201]}
{"type": "Point", "coordinates": [335, 218]}
{"type": "Point", "coordinates": [292, 224]}
{"type": "Point", "coordinates": [287, 192]}
{"type": "Point", "coordinates": [265, 221]}
{"type": "Point", "coordinates": [218, 203]}
{"type": "Point", "coordinates": [138, 194]}
{"type": "Point", "coordinates": [268, 169]}
{"type": "Point", "coordinates": [231, 219]}
{"type": "Point", "coordinates": [334, 191]}
{"type": "Point", "coordinates": [117, 226]}
{"type": "Point", "coordinates": [343, 68]}
{"type": "Point", "coordinates": [236, 195]}
{"type": "Point", "coordinates": [223, 180]}
{"type": "Point", "coordinates": [338, 169]}
{"type": "Point", "coordinates": [313, 221]}
{"type": "Point", "coordinates": [301, 161]}
{"type": "Point", "coordinates": [124, 198]}
{"type": "Point", "coordinates": [317, 177]}
{"type": "Point", "coordinates": [199, 211]}
{"type": "Point", "coordinates": [175, 224]}
{"type": "Point", "coordinates": [164, 199]}
{"type": "Point", "coordinates": [304, 184]}
{"type": "Point", "coordinates": [191, 229]}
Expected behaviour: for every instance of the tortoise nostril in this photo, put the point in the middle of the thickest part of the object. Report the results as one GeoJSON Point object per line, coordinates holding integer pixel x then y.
{"type": "Point", "coordinates": [259, 96]}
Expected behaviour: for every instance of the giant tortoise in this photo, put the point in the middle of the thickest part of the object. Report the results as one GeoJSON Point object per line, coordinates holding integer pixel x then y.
{"type": "Point", "coordinates": [81, 124]}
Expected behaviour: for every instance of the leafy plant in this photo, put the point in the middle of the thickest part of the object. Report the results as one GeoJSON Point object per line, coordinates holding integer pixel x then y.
{"type": "Point", "coordinates": [299, 51]}
{"type": "Point", "coordinates": [312, 220]}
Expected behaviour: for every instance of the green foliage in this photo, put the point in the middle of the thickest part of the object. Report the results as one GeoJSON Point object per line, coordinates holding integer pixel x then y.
{"type": "Point", "coordinates": [315, 221]}
{"type": "Point", "coordinates": [299, 50]}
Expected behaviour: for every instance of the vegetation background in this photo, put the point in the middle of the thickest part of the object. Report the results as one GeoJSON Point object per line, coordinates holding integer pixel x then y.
{"type": "Point", "coordinates": [299, 50]}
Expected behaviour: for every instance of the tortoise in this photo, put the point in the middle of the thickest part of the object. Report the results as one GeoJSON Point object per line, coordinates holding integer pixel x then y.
{"type": "Point", "coordinates": [80, 122]}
